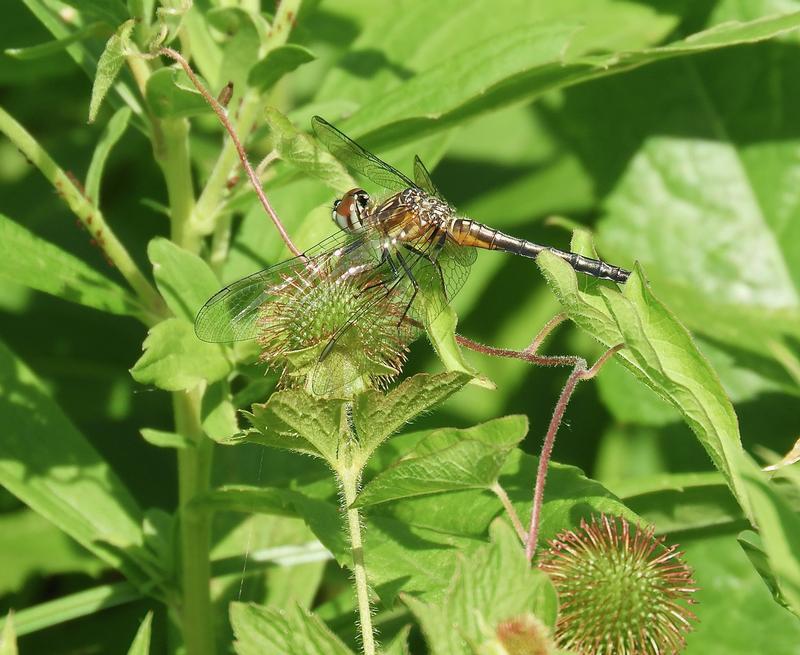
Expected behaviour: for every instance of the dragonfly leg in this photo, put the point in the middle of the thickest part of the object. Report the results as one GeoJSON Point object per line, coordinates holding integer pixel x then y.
{"type": "Point", "coordinates": [414, 283]}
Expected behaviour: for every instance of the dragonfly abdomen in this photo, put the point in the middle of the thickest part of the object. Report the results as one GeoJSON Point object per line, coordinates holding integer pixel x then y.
{"type": "Point", "coordinates": [467, 232]}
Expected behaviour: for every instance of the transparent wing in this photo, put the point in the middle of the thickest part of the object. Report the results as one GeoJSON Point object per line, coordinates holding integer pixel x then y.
{"type": "Point", "coordinates": [413, 284]}
{"type": "Point", "coordinates": [357, 158]}
{"type": "Point", "coordinates": [232, 314]}
{"type": "Point", "coordinates": [424, 180]}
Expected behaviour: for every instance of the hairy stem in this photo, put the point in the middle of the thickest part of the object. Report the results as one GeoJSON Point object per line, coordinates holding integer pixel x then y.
{"type": "Point", "coordinates": [498, 491]}
{"type": "Point", "coordinates": [579, 372]}
{"type": "Point", "coordinates": [194, 469]}
{"type": "Point", "coordinates": [349, 478]}
{"type": "Point", "coordinates": [88, 214]}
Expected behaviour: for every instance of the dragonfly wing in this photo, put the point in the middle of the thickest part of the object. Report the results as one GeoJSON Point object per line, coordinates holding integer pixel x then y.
{"type": "Point", "coordinates": [424, 180]}
{"type": "Point", "coordinates": [232, 314]}
{"type": "Point", "coordinates": [357, 158]}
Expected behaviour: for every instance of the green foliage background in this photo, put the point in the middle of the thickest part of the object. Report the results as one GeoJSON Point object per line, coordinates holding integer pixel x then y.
{"type": "Point", "coordinates": [525, 111]}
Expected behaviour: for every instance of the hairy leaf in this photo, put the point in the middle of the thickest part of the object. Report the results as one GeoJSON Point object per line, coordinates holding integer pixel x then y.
{"type": "Point", "coordinates": [109, 66]}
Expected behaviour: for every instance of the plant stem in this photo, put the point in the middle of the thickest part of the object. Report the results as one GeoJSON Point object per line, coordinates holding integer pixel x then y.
{"type": "Point", "coordinates": [172, 153]}
{"type": "Point", "coordinates": [222, 114]}
{"type": "Point", "coordinates": [349, 478]}
{"type": "Point", "coordinates": [89, 215]}
{"type": "Point", "coordinates": [579, 372]}
{"type": "Point", "coordinates": [498, 491]}
{"type": "Point", "coordinates": [194, 472]}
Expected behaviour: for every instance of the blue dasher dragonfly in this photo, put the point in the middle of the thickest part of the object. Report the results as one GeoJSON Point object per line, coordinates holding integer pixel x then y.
{"type": "Point", "coordinates": [405, 257]}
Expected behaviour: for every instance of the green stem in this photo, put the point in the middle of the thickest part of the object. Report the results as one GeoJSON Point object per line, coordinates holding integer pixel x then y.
{"type": "Point", "coordinates": [208, 204]}
{"type": "Point", "coordinates": [350, 479]}
{"type": "Point", "coordinates": [88, 214]}
{"type": "Point", "coordinates": [172, 153]}
{"type": "Point", "coordinates": [194, 473]}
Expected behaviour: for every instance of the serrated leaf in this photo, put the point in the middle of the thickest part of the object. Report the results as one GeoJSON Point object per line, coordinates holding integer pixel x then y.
{"type": "Point", "coordinates": [174, 359]}
{"type": "Point", "coordinates": [113, 132]}
{"type": "Point", "coordinates": [469, 459]}
{"type": "Point", "coordinates": [660, 352]}
{"type": "Point", "coordinates": [290, 631]}
{"type": "Point", "coordinates": [34, 262]}
{"type": "Point", "coordinates": [304, 153]}
{"type": "Point", "coordinates": [377, 416]}
{"type": "Point", "coordinates": [277, 63]}
{"type": "Point", "coordinates": [185, 281]}
{"type": "Point", "coordinates": [494, 584]}
{"type": "Point", "coordinates": [299, 421]}
{"type": "Point", "coordinates": [141, 642]}
{"type": "Point", "coordinates": [109, 66]}
{"type": "Point", "coordinates": [52, 468]}
{"type": "Point", "coordinates": [170, 94]}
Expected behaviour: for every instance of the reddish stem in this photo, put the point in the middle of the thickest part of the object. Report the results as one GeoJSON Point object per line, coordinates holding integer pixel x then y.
{"type": "Point", "coordinates": [222, 114]}
{"type": "Point", "coordinates": [579, 372]}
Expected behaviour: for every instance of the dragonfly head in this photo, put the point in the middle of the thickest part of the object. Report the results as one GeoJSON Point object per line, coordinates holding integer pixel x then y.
{"type": "Point", "coordinates": [350, 210]}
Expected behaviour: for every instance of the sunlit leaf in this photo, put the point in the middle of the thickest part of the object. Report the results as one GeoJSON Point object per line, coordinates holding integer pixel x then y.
{"type": "Point", "coordinates": [34, 262]}
{"type": "Point", "coordinates": [53, 469]}
{"type": "Point", "coordinates": [277, 63]}
{"type": "Point", "coordinates": [183, 278]}
{"type": "Point", "coordinates": [494, 584]}
{"type": "Point", "coordinates": [289, 631]}
{"type": "Point", "coordinates": [467, 459]}
{"type": "Point", "coordinates": [174, 359]}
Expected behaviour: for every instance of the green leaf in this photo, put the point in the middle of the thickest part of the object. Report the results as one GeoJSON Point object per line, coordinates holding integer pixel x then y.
{"type": "Point", "coordinates": [730, 598]}
{"type": "Point", "coordinates": [53, 469]}
{"type": "Point", "coordinates": [114, 130]}
{"type": "Point", "coordinates": [278, 62]}
{"type": "Point", "coordinates": [73, 606]}
{"type": "Point", "coordinates": [53, 47]}
{"type": "Point", "coordinates": [141, 642]}
{"type": "Point", "coordinates": [185, 281]}
{"type": "Point", "coordinates": [494, 584]}
{"type": "Point", "coordinates": [660, 352]}
{"type": "Point", "coordinates": [296, 420]}
{"type": "Point", "coordinates": [34, 262]}
{"type": "Point", "coordinates": [8, 638]}
{"type": "Point", "coordinates": [525, 63]}
{"type": "Point", "coordinates": [289, 631]}
{"type": "Point", "coordinates": [174, 359]}
{"type": "Point", "coordinates": [109, 66]}
{"type": "Point", "coordinates": [240, 52]}
{"type": "Point", "coordinates": [467, 459]}
{"type": "Point", "coordinates": [376, 416]}
{"type": "Point", "coordinates": [171, 94]}
{"type": "Point", "coordinates": [304, 153]}
{"type": "Point", "coordinates": [779, 528]}
{"type": "Point", "coordinates": [35, 547]}
{"type": "Point", "coordinates": [441, 332]}
{"type": "Point", "coordinates": [163, 439]}
{"type": "Point", "coordinates": [112, 11]}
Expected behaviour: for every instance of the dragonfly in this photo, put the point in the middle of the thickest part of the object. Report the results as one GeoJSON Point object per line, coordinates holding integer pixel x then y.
{"type": "Point", "coordinates": [405, 256]}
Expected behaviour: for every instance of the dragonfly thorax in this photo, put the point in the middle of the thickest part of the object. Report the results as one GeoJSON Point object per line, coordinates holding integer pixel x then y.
{"type": "Point", "coordinates": [350, 210]}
